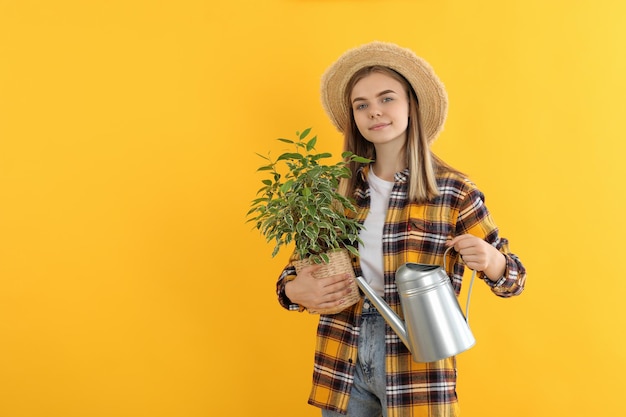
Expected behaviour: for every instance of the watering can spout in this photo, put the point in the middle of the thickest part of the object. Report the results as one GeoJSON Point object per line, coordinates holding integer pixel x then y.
{"type": "Point", "coordinates": [388, 314]}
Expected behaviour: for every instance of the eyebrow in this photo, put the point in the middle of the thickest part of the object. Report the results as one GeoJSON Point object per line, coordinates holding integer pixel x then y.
{"type": "Point", "coordinates": [382, 93]}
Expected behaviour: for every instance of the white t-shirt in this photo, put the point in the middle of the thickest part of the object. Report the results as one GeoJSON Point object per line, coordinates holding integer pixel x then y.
{"type": "Point", "coordinates": [371, 250]}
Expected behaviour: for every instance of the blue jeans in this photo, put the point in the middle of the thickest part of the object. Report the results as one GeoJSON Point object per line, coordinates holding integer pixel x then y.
{"type": "Point", "coordinates": [368, 398]}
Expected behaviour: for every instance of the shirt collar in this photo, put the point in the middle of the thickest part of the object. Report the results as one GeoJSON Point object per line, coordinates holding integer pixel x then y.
{"type": "Point", "coordinates": [401, 177]}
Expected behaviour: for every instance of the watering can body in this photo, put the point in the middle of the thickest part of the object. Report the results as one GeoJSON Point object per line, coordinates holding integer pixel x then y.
{"type": "Point", "coordinates": [434, 327]}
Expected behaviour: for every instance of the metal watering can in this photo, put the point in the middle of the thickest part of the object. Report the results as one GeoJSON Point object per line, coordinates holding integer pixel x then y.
{"type": "Point", "coordinates": [435, 327]}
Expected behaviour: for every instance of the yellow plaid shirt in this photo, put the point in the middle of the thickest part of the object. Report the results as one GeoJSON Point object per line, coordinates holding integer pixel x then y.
{"type": "Point", "coordinates": [413, 233]}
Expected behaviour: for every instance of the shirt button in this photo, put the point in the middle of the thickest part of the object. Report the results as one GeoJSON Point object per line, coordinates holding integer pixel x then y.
{"type": "Point", "coordinates": [366, 305]}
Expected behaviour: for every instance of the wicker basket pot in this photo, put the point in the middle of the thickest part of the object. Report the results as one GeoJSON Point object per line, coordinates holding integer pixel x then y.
{"type": "Point", "coordinates": [339, 264]}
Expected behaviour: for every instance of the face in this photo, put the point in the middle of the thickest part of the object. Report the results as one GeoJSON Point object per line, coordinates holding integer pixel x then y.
{"type": "Point", "coordinates": [381, 109]}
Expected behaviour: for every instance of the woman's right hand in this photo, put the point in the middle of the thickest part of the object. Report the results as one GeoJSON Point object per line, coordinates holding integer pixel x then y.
{"type": "Point", "coordinates": [318, 293]}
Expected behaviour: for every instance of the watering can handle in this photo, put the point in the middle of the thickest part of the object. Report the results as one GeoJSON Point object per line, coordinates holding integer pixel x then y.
{"type": "Point", "coordinates": [469, 291]}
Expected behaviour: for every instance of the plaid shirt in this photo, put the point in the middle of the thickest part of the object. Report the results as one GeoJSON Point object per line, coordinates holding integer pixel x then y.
{"type": "Point", "coordinates": [412, 233]}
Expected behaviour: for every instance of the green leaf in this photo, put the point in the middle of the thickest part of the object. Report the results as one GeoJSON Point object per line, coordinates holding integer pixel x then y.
{"type": "Point", "coordinates": [326, 211]}
{"type": "Point", "coordinates": [361, 159]}
{"type": "Point", "coordinates": [286, 186]}
{"type": "Point", "coordinates": [326, 225]}
{"type": "Point", "coordinates": [290, 155]}
{"type": "Point", "coordinates": [310, 233]}
{"type": "Point", "coordinates": [305, 133]}
{"type": "Point", "coordinates": [252, 210]}
{"type": "Point", "coordinates": [352, 250]}
{"type": "Point", "coordinates": [289, 220]}
{"type": "Point", "coordinates": [321, 155]}
{"type": "Point", "coordinates": [286, 140]}
{"type": "Point", "coordinates": [311, 144]}
{"type": "Point", "coordinates": [259, 200]}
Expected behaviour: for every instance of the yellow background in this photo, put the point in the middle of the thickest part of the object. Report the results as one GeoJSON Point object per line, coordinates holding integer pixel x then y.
{"type": "Point", "coordinates": [130, 284]}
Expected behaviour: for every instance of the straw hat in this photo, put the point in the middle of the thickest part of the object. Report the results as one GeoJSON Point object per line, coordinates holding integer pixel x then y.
{"type": "Point", "coordinates": [430, 91]}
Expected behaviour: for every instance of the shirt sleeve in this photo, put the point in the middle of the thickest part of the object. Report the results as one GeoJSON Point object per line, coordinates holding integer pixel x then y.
{"type": "Point", "coordinates": [288, 274]}
{"type": "Point", "coordinates": [474, 218]}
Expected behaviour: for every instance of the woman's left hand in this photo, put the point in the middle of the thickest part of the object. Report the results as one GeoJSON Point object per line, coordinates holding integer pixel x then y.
{"type": "Point", "coordinates": [479, 255]}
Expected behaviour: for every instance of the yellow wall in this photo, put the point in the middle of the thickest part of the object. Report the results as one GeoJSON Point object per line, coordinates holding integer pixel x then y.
{"type": "Point", "coordinates": [130, 284]}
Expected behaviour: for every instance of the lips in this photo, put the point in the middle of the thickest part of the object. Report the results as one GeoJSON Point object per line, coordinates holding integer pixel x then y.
{"type": "Point", "coordinates": [379, 126]}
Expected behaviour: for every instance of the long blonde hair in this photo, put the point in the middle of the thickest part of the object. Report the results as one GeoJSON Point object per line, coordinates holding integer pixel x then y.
{"type": "Point", "coordinates": [422, 163]}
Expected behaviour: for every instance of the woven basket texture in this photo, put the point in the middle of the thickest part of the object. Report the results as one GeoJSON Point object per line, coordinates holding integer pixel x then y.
{"type": "Point", "coordinates": [339, 264]}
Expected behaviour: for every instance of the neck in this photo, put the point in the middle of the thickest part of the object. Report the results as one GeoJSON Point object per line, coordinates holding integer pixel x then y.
{"type": "Point", "coordinates": [388, 162]}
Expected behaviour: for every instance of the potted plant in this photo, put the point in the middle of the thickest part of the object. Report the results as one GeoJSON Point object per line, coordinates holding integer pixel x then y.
{"type": "Point", "coordinates": [300, 203]}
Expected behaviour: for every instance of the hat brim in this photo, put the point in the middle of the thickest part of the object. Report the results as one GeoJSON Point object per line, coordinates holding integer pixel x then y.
{"type": "Point", "coordinates": [430, 91]}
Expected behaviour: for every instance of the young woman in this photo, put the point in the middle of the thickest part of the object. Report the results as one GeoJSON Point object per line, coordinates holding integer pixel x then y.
{"type": "Point", "coordinates": [390, 106]}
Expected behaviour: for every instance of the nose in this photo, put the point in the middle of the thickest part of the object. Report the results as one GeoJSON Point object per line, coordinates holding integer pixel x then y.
{"type": "Point", "coordinates": [374, 112]}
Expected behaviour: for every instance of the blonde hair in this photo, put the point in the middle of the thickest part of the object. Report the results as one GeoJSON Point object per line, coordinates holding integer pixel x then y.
{"type": "Point", "coordinates": [422, 163]}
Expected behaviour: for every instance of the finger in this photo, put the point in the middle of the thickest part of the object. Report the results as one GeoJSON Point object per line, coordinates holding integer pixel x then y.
{"type": "Point", "coordinates": [335, 279]}
{"type": "Point", "coordinates": [337, 296]}
{"type": "Point", "coordinates": [342, 287]}
{"type": "Point", "coordinates": [329, 305]}
{"type": "Point", "coordinates": [457, 242]}
{"type": "Point", "coordinates": [465, 240]}
{"type": "Point", "coordinates": [469, 258]}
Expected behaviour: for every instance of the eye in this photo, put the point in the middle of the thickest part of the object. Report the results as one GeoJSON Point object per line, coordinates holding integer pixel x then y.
{"type": "Point", "coordinates": [387, 99]}
{"type": "Point", "coordinates": [360, 106]}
